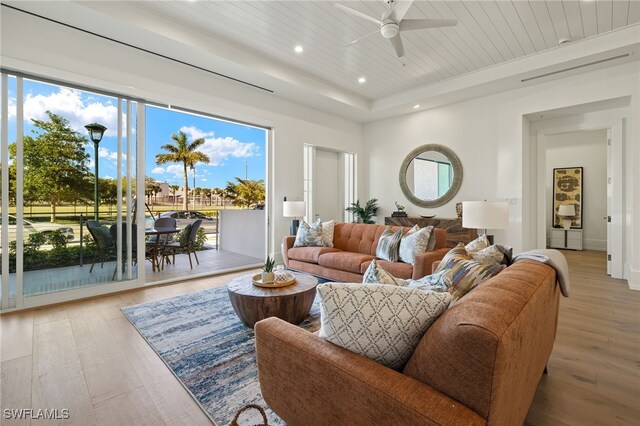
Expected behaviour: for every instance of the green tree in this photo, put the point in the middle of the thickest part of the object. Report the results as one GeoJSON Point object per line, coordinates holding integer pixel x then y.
{"type": "Point", "coordinates": [151, 188]}
{"type": "Point", "coordinates": [55, 163]}
{"type": "Point", "coordinates": [181, 151]}
{"type": "Point", "coordinates": [246, 192]}
{"type": "Point", "coordinates": [108, 192]}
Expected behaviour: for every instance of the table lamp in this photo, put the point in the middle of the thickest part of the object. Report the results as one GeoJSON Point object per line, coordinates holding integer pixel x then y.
{"type": "Point", "coordinates": [294, 209]}
{"type": "Point", "coordinates": [485, 215]}
{"type": "Point", "coordinates": [567, 212]}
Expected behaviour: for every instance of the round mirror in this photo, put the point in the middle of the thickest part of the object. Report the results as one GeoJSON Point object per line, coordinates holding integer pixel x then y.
{"type": "Point", "coordinates": [430, 175]}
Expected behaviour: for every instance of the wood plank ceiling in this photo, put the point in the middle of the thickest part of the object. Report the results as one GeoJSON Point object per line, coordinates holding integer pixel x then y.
{"type": "Point", "coordinates": [488, 33]}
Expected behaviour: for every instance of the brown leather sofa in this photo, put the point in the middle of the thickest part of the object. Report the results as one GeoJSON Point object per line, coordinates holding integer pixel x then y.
{"type": "Point", "coordinates": [354, 247]}
{"type": "Point", "coordinates": [478, 364]}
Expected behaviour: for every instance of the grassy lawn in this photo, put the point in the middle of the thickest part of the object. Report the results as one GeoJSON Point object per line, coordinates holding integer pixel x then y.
{"type": "Point", "coordinates": [71, 214]}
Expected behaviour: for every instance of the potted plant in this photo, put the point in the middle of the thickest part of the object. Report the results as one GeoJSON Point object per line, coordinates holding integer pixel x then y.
{"type": "Point", "coordinates": [267, 271]}
{"type": "Point", "coordinates": [364, 214]}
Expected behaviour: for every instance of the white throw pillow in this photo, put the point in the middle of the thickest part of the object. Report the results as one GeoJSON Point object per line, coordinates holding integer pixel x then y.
{"type": "Point", "coordinates": [376, 274]}
{"type": "Point", "coordinates": [491, 254]}
{"type": "Point", "coordinates": [309, 235]}
{"type": "Point", "coordinates": [382, 322]}
{"type": "Point", "coordinates": [478, 244]}
{"type": "Point", "coordinates": [414, 242]}
{"type": "Point", "coordinates": [327, 233]}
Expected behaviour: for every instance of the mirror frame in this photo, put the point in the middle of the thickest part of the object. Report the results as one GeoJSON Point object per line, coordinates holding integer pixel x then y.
{"type": "Point", "coordinates": [455, 185]}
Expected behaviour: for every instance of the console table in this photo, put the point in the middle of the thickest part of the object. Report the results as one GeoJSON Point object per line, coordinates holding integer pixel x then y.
{"type": "Point", "coordinates": [566, 239]}
{"type": "Point", "coordinates": [455, 232]}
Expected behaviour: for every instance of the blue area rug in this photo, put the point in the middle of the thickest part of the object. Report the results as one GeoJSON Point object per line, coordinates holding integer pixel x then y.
{"type": "Point", "coordinates": [207, 347]}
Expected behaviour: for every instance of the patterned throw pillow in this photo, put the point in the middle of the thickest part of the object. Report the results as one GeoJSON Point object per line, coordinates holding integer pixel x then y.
{"type": "Point", "coordinates": [309, 235]}
{"type": "Point", "coordinates": [491, 254]}
{"type": "Point", "coordinates": [389, 244]}
{"type": "Point", "coordinates": [432, 241]}
{"type": "Point", "coordinates": [384, 323]}
{"type": "Point", "coordinates": [462, 274]}
{"type": "Point", "coordinates": [478, 244]}
{"type": "Point", "coordinates": [433, 282]}
{"type": "Point", "coordinates": [376, 274]}
{"type": "Point", "coordinates": [414, 242]}
{"type": "Point", "coordinates": [327, 233]}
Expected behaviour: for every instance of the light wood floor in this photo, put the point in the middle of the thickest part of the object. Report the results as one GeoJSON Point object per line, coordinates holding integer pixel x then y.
{"type": "Point", "coordinates": [86, 357]}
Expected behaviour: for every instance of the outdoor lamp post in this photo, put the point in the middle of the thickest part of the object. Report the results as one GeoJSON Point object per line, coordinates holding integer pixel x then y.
{"type": "Point", "coordinates": [193, 168]}
{"type": "Point", "coordinates": [96, 131]}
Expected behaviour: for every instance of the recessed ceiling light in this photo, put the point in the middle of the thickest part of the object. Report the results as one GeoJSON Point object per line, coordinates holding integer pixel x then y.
{"type": "Point", "coordinates": [298, 49]}
{"type": "Point", "coordinates": [362, 80]}
{"type": "Point", "coordinates": [416, 106]}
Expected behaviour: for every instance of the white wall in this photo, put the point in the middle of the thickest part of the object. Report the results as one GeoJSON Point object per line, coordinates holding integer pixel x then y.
{"type": "Point", "coordinates": [491, 136]}
{"type": "Point", "coordinates": [587, 149]}
{"type": "Point", "coordinates": [243, 231]}
{"type": "Point", "coordinates": [42, 48]}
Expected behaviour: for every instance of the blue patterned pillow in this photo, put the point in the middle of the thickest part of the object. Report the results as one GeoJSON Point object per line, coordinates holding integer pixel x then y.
{"type": "Point", "coordinates": [389, 244]}
{"type": "Point", "coordinates": [376, 274]}
{"type": "Point", "coordinates": [309, 235]}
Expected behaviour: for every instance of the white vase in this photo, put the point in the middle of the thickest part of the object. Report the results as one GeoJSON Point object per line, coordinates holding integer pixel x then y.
{"type": "Point", "coordinates": [267, 277]}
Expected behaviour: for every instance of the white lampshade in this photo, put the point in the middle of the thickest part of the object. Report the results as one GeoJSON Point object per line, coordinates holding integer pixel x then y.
{"type": "Point", "coordinates": [293, 209]}
{"type": "Point", "coordinates": [485, 214]}
{"type": "Point", "coordinates": [567, 210]}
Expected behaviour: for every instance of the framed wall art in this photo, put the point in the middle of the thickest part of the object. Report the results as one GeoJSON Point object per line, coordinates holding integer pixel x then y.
{"type": "Point", "coordinates": [567, 190]}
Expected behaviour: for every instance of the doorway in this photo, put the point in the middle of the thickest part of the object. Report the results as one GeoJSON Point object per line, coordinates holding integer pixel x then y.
{"type": "Point", "coordinates": [330, 183]}
{"type": "Point", "coordinates": [610, 122]}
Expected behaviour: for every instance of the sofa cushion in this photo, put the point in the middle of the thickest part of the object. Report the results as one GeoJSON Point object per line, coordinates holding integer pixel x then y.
{"type": "Point", "coordinates": [344, 261]}
{"type": "Point", "coordinates": [357, 237]}
{"type": "Point", "coordinates": [376, 274]}
{"type": "Point", "coordinates": [309, 254]}
{"type": "Point", "coordinates": [382, 322]}
{"type": "Point", "coordinates": [397, 269]}
{"type": "Point", "coordinates": [389, 245]}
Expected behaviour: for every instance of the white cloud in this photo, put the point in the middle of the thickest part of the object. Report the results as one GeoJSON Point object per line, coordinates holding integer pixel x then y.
{"type": "Point", "coordinates": [220, 149]}
{"type": "Point", "coordinates": [69, 104]}
{"type": "Point", "coordinates": [158, 170]}
{"type": "Point", "coordinates": [195, 133]}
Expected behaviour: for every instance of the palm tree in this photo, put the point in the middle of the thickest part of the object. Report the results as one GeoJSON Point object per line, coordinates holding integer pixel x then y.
{"type": "Point", "coordinates": [173, 189]}
{"type": "Point", "coordinates": [181, 151]}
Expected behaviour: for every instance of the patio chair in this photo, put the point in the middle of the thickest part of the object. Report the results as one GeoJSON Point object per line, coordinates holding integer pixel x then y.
{"type": "Point", "coordinates": [105, 246]}
{"type": "Point", "coordinates": [187, 242]}
{"type": "Point", "coordinates": [162, 222]}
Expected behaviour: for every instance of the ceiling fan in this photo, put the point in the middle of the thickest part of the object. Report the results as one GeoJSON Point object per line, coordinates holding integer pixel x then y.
{"type": "Point", "coordinates": [391, 23]}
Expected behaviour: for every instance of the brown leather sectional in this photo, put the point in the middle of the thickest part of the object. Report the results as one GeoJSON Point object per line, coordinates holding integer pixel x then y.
{"type": "Point", "coordinates": [478, 364]}
{"type": "Point", "coordinates": [354, 247]}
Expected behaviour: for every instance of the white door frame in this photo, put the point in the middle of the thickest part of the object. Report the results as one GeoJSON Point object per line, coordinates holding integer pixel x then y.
{"type": "Point", "coordinates": [615, 230]}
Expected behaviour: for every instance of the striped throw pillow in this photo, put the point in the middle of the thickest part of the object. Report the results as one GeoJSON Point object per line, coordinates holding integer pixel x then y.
{"type": "Point", "coordinates": [388, 245]}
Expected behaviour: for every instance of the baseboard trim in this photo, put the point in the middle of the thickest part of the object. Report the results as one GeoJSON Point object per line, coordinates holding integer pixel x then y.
{"type": "Point", "coordinates": [633, 278]}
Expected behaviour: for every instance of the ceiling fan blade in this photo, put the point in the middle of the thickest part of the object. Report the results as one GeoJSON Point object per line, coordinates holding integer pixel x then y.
{"type": "Point", "coordinates": [360, 38]}
{"type": "Point", "coordinates": [399, 9]}
{"type": "Point", "coordinates": [419, 24]}
{"type": "Point", "coordinates": [396, 42]}
{"type": "Point", "coordinates": [357, 13]}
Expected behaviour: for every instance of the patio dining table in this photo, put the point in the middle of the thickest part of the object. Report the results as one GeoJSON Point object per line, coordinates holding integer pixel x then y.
{"type": "Point", "coordinates": [155, 249]}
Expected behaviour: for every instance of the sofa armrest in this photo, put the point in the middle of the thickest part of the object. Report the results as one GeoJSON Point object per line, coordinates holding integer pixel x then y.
{"type": "Point", "coordinates": [287, 243]}
{"type": "Point", "coordinates": [309, 381]}
{"type": "Point", "coordinates": [423, 264]}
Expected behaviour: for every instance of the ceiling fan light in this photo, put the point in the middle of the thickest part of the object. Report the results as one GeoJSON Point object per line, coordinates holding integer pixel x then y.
{"type": "Point", "coordinates": [390, 30]}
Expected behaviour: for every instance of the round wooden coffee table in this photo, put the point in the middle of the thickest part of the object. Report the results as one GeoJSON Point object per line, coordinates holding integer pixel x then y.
{"type": "Point", "coordinates": [291, 303]}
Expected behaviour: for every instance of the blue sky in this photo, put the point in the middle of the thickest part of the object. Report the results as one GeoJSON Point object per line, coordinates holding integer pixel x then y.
{"type": "Point", "coordinates": [230, 147]}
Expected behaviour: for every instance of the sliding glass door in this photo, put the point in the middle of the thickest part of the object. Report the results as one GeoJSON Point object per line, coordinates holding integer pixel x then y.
{"type": "Point", "coordinates": [68, 191]}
